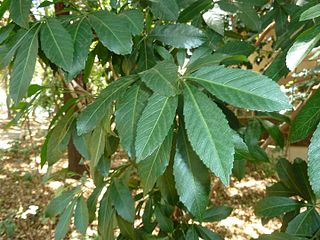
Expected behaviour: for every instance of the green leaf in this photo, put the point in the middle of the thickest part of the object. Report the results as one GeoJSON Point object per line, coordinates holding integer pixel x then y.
{"type": "Point", "coordinates": [135, 20]}
{"type": "Point", "coordinates": [214, 18]}
{"type": "Point", "coordinates": [81, 215]}
{"type": "Point", "coordinates": [208, 132]}
{"type": "Point", "coordinates": [302, 46]}
{"type": "Point", "coordinates": [279, 236]}
{"type": "Point", "coordinates": [19, 12]}
{"type": "Point", "coordinates": [59, 138]}
{"type": "Point", "coordinates": [81, 144]}
{"type": "Point", "coordinates": [106, 217]}
{"type": "Point", "coordinates": [165, 223]}
{"type": "Point", "coordinates": [305, 224]}
{"type": "Point", "coordinates": [216, 214]}
{"type": "Point", "coordinates": [277, 69]}
{"type": "Point", "coordinates": [151, 168]}
{"type": "Point", "coordinates": [239, 168]}
{"type": "Point", "coordinates": [274, 132]}
{"type": "Point", "coordinates": [165, 9]}
{"type": "Point", "coordinates": [252, 136]}
{"type": "Point", "coordinates": [59, 203]}
{"type": "Point", "coordinates": [166, 184]}
{"type": "Point", "coordinates": [5, 32]}
{"type": "Point", "coordinates": [275, 206]}
{"type": "Point", "coordinates": [96, 111]}
{"type": "Point", "coordinates": [314, 163]}
{"type": "Point", "coordinates": [162, 78]}
{"type": "Point", "coordinates": [307, 119]}
{"type": "Point", "coordinates": [208, 60]}
{"type": "Point", "coordinates": [154, 124]}
{"type": "Point", "coordinates": [192, 233]}
{"type": "Point", "coordinates": [92, 202]}
{"type": "Point", "coordinates": [179, 35]}
{"type": "Point", "coordinates": [312, 12]}
{"type": "Point", "coordinates": [194, 9]}
{"type": "Point", "coordinates": [249, 16]}
{"type": "Point", "coordinates": [57, 43]}
{"type": "Point", "coordinates": [97, 145]}
{"type": "Point", "coordinates": [122, 200]}
{"type": "Point", "coordinates": [82, 36]}
{"type": "Point", "coordinates": [126, 228]}
{"type": "Point", "coordinates": [241, 88]}
{"type": "Point", "coordinates": [8, 50]}
{"type": "Point", "coordinates": [62, 227]}
{"type": "Point", "coordinates": [188, 168]}
{"type": "Point", "coordinates": [129, 111]}
{"type": "Point", "coordinates": [207, 234]}
{"type": "Point", "coordinates": [112, 31]}
{"type": "Point", "coordinates": [237, 47]}
{"type": "Point", "coordinates": [294, 176]}
{"type": "Point", "coordinates": [24, 65]}
{"type": "Point", "coordinates": [280, 190]}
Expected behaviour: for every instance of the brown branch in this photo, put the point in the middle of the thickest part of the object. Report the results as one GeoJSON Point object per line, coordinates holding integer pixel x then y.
{"type": "Point", "coordinates": [265, 33]}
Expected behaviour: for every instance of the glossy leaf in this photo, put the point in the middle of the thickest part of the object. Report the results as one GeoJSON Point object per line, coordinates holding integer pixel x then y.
{"type": "Point", "coordinates": [214, 18]}
{"type": "Point", "coordinates": [302, 46]}
{"type": "Point", "coordinates": [208, 132]}
{"type": "Point", "coordinates": [81, 215]}
{"type": "Point", "coordinates": [135, 20]}
{"type": "Point", "coordinates": [305, 224]}
{"type": "Point", "coordinates": [95, 112]}
{"type": "Point", "coordinates": [122, 200]}
{"type": "Point", "coordinates": [81, 144]}
{"type": "Point", "coordinates": [307, 119]}
{"type": "Point", "coordinates": [112, 31]}
{"type": "Point", "coordinates": [241, 88]}
{"type": "Point", "coordinates": [127, 116]}
{"type": "Point", "coordinates": [280, 190]}
{"type": "Point", "coordinates": [194, 9]}
{"type": "Point", "coordinates": [82, 36]}
{"type": "Point", "coordinates": [179, 35]}
{"type": "Point", "coordinates": [314, 163]}
{"type": "Point", "coordinates": [59, 138]}
{"type": "Point", "coordinates": [165, 9]}
{"type": "Point", "coordinates": [19, 12]}
{"type": "Point", "coordinates": [24, 65]}
{"type": "Point", "coordinates": [312, 12]}
{"type": "Point", "coordinates": [216, 213]}
{"type": "Point", "coordinates": [97, 145]}
{"type": "Point", "coordinates": [294, 176]}
{"type": "Point", "coordinates": [188, 168]}
{"type": "Point", "coordinates": [62, 227]}
{"type": "Point", "coordinates": [57, 43]}
{"type": "Point", "coordinates": [151, 168]}
{"type": "Point", "coordinates": [279, 236]}
{"type": "Point", "coordinates": [207, 234]}
{"type": "Point", "coordinates": [106, 217]}
{"type": "Point", "coordinates": [59, 203]}
{"type": "Point", "coordinates": [154, 124]}
{"type": "Point", "coordinates": [8, 49]}
{"type": "Point", "coordinates": [162, 78]}
{"type": "Point", "coordinates": [165, 223]}
{"type": "Point", "coordinates": [249, 16]}
{"type": "Point", "coordinates": [192, 233]}
{"type": "Point", "coordinates": [274, 132]}
{"type": "Point", "coordinates": [275, 206]}
{"type": "Point", "coordinates": [5, 32]}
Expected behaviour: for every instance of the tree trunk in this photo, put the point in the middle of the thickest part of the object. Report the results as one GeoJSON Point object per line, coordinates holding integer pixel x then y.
{"type": "Point", "coordinates": [74, 156]}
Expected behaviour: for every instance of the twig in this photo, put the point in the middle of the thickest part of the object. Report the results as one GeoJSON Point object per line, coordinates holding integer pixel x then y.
{"type": "Point", "coordinates": [264, 33]}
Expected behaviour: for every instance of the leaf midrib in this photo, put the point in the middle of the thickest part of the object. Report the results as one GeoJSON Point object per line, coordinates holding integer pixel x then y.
{"type": "Point", "coordinates": [154, 125]}
{"type": "Point", "coordinates": [56, 43]}
{"type": "Point", "coordinates": [232, 88]}
{"type": "Point", "coordinates": [26, 62]}
{"type": "Point", "coordinates": [207, 130]}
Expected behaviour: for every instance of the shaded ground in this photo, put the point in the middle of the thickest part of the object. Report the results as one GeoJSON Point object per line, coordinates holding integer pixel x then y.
{"type": "Point", "coordinates": [24, 195]}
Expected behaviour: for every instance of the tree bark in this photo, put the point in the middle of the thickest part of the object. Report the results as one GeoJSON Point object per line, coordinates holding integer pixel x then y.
{"type": "Point", "coordinates": [74, 156]}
